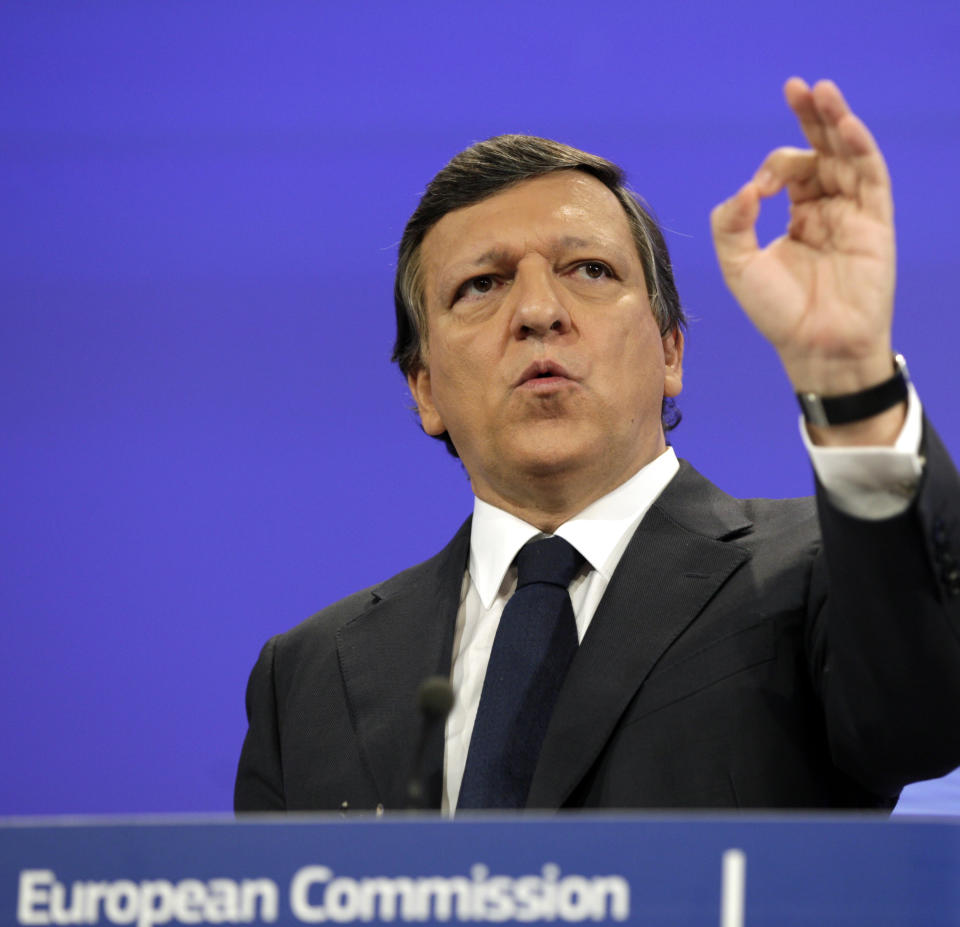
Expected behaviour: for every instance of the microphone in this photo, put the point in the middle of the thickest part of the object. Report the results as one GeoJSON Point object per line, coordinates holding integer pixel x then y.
{"type": "Point", "coordinates": [434, 700]}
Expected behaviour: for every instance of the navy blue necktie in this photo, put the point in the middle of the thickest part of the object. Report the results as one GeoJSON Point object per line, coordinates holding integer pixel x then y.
{"type": "Point", "coordinates": [534, 644]}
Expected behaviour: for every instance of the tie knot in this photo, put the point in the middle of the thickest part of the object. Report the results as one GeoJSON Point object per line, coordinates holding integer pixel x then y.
{"type": "Point", "coordinates": [549, 560]}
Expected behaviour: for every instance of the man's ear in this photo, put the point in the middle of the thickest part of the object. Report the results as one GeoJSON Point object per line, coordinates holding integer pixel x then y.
{"type": "Point", "coordinates": [673, 362]}
{"type": "Point", "coordinates": [422, 392]}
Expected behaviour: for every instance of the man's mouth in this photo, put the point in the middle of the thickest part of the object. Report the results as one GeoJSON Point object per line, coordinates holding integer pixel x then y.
{"type": "Point", "coordinates": [542, 374]}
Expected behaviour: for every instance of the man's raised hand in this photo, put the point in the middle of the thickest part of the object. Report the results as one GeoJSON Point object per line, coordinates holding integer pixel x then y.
{"type": "Point", "coordinates": [822, 293]}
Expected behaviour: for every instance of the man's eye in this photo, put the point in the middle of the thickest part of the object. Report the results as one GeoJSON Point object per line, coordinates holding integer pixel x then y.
{"type": "Point", "coordinates": [594, 270]}
{"type": "Point", "coordinates": [476, 286]}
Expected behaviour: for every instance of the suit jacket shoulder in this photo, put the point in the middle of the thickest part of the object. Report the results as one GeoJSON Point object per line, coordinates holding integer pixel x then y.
{"type": "Point", "coordinates": [331, 704]}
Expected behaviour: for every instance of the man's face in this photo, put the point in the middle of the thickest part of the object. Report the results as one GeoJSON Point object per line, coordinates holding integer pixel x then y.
{"type": "Point", "coordinates": [543, 359]}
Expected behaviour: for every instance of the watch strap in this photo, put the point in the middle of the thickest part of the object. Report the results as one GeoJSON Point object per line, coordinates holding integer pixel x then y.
{"type": "Point", "coordinates": [854, 407]}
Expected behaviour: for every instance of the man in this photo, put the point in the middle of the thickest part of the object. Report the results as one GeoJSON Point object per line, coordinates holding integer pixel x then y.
{"type": "Point", "coordinates": [732, 653]}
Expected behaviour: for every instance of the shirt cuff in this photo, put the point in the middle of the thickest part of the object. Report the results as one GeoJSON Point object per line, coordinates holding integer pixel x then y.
{"type": "Point", "coordinates": [872, 482]}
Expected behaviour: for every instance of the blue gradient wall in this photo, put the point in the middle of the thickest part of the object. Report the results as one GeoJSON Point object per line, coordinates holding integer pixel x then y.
{"type": "Point", "coordinates": [203, 440]}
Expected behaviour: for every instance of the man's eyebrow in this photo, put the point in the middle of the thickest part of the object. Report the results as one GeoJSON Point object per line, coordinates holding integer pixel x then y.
{"type": "Point", "coordinates": [492, 256]}
{"type": "Point", "coordinates": [495, 255]}
{"type": "Point", "coordinates": [572, 241]}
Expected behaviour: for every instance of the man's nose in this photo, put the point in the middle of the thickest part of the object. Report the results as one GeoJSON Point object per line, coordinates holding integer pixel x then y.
{"type": "Point", "coordinates": [538, 305]}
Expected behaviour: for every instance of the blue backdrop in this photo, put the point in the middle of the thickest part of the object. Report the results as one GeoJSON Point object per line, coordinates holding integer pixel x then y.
{"type": "Point", "coordinates": [203, 440]}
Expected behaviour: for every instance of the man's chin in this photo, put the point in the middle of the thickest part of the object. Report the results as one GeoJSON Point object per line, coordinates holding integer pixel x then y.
{"type": "Point", "coordinates": [544, 458]}
{"type": "Point", "coordinates": [572, 455]}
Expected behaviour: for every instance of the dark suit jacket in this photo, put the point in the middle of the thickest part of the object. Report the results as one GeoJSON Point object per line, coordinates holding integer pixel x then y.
{"type": "Point", "coordinates": [746, 654]}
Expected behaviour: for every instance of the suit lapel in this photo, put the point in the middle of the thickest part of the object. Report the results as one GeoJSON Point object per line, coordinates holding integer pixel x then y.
{"type": "Point", "coordinates": [405, 635]}
{"type": "Point", "coordinates": [674, 564]}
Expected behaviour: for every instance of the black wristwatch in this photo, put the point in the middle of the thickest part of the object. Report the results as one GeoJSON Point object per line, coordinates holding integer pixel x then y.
{"type": "Point", "coordinates": [853, 407]}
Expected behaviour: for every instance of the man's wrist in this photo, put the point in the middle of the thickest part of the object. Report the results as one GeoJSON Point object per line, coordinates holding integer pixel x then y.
{"type": "Point", "coordinates": [875, 481]}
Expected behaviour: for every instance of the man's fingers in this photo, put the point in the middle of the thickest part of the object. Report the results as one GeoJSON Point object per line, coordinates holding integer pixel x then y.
{"type": "Point", "coordinates": [800, 99]}
{"type": "Point", "coordinates": [796, 166]}
{"type": "Point", "coordinates": [849, 135]}
{"type": "Point", "coordinates": [862, 149]}
{"type": "Point", "coordinates": [832, 128]}
{"type": "Point", "coordinates": [733, 223]}
{"type": "Point", "coordinates": [819, 110]}
{"type": "Point", "coordinates": [809, 175]}
{"type": "Point", "coordinates": [844, 173]}
{"type": "Point", "coordinates": [830, 102]}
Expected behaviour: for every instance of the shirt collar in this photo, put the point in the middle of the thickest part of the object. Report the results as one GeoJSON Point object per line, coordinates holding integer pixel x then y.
{"type": "Point", "coordinates": [600, 532]}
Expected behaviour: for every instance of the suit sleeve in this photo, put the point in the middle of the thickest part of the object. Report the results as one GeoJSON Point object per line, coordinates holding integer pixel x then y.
{"type": "Point", "coordinates": [885, 633]}
{"type": "Point", "coordinates": [259, 784]}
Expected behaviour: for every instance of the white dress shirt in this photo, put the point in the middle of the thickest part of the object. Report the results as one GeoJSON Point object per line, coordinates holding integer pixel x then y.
{"type": "Point", "coordinates": [863, 482]}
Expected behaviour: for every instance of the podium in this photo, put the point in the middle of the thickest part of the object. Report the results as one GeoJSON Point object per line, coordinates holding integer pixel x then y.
{"type": "Point", "coordinates": [626, 869]}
